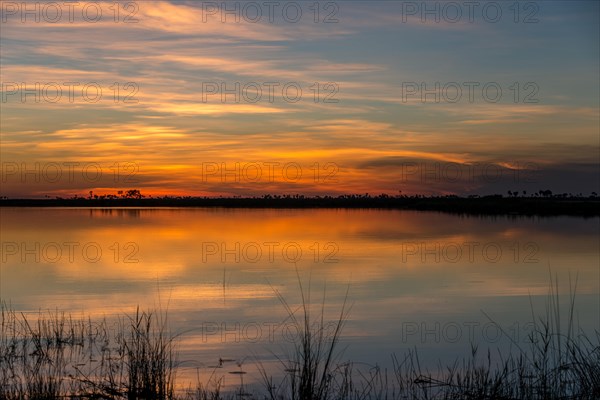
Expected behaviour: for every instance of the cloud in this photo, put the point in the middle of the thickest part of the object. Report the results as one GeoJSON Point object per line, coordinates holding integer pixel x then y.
{"type": "Point", "coordinates": [173, 50]}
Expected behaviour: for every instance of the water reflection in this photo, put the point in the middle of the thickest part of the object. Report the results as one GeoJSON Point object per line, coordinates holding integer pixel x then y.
{"type": "Point", "coordinates": [114, 212]}
{"type": "Point", "coordinates": [416, 278]}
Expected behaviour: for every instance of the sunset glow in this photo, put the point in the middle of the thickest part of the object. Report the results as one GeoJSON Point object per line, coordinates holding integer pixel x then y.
{"type": "Point", "coordinates": [198, 101]}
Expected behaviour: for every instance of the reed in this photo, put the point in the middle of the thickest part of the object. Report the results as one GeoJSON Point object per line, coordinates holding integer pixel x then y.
{"type": "Point", "coordinates": [51, 355]}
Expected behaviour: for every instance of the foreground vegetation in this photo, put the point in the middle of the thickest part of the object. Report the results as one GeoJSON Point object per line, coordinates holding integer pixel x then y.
{"type": "Point", "coordinates": [57, 356]}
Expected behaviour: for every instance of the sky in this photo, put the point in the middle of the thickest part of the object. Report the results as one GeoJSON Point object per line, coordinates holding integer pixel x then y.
{"type": "Point", "coordinates": [249, 98]}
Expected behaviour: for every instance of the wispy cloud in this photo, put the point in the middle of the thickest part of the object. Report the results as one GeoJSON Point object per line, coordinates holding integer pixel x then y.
{"type": "Point", "coordinates": [164, 61]}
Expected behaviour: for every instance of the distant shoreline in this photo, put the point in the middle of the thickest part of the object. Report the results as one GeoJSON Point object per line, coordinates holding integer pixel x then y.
{"type": "Point", "coordinates": [486, 205]}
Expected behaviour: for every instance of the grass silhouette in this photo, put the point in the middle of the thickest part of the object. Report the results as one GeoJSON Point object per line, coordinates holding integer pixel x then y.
{"type": "Point", "coordinates": [55, 356]}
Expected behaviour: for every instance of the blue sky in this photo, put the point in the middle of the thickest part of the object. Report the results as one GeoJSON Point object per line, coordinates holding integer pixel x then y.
{"type": "Point", "coordinates": [172, 53]}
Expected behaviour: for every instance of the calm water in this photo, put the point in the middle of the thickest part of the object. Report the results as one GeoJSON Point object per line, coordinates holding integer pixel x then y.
{"type": "Point", "coordinates": [415, 279]}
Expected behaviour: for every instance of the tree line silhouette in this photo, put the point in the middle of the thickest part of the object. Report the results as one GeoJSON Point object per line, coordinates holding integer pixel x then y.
{"type": "Point", "coordinates": [542, 202]}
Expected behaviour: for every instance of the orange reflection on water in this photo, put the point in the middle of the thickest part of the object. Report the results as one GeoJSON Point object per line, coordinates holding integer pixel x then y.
{"type": "Point", "coordinates": [226, 266]}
